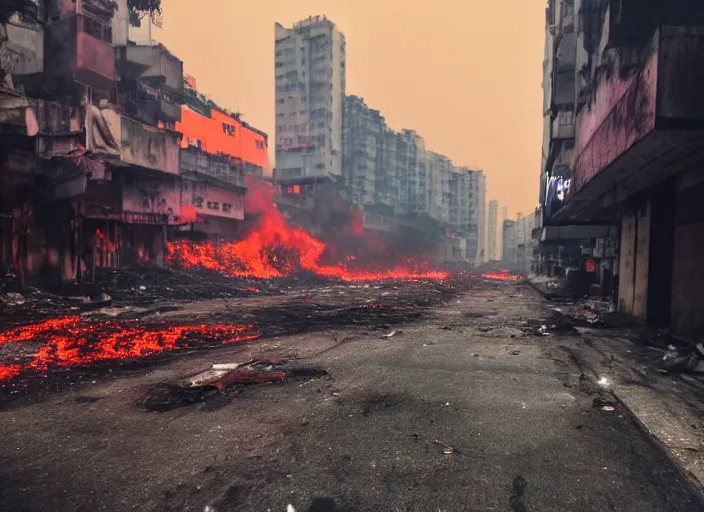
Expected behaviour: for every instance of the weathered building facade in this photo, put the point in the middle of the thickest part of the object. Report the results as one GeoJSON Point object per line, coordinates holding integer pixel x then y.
{"type": "Point", "coordinates": [569, 39]}
{"type": "Point", "coordinates": [310, 73]}
{"type": "Point", "coordinates": [638, 153]}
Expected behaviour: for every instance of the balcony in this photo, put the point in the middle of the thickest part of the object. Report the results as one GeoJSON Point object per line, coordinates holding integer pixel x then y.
{"type": "Point", "coordinates": [18, 115]}
{"type": "Point", "coordinates": [143, 145]}
{"type": "Point", "coordinates": [224, 169]}
{"type": "Point", "coordinates": [81, 50]}
{"type": "Point", "coordinates": [154, 65]}
{"type": "Point", "coordinates": [645, 127]}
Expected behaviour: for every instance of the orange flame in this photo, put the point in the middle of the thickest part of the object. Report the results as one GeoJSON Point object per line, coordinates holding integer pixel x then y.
{"type": "Point", "coordinates": [275, 249]}
{"type": "Point", "coordinates": [501, 275]}
{"type": "Point", "coordinates": [71, 343]}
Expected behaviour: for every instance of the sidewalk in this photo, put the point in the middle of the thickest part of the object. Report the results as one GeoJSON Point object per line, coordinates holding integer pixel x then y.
{"type": "Point", "coordinates": [627, 361]}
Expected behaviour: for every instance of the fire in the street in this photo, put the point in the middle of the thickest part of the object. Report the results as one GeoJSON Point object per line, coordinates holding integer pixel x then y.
{"type": "Point", "coordinates": [70, 342]}
{"type": "Point", "coordinates": [275, 249]}
{"type": "Point", "coordinates": [501, 275]}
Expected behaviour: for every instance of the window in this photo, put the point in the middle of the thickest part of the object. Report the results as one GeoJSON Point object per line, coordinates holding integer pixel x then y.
{"type": "Point", "coordinates": [228, 129]}
{"type": "Point", "coordinates": [226, 208]}
{"type": "Point", "coordinates": [292, 113]}
{"type": "Point", "coordinates": [212, 205]}
{"type": "Point", "coordinates": [92, 27]}
{"type": "Point", "coordinates": [198, 202]}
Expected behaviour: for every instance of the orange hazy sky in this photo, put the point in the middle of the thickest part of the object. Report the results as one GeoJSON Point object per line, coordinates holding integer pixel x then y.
{"type": "Point", "coordinates": [465, 74]}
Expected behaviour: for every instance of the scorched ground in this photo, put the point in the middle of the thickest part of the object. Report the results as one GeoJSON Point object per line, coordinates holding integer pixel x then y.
{"type": "Point", "coordinates": [413, 395]}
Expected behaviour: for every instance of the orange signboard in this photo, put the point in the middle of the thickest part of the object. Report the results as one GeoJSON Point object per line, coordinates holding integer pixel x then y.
{"type": "Point", "coordinates": [221, 133]}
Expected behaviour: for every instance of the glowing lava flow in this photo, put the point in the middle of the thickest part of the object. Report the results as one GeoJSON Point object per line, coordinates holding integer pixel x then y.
{"type": "Point", "coordinates": [501, 275]}
{"type": "Point", "coordinates": [68, 342]}
{"type": "Point", "coordinates": [275, 249]}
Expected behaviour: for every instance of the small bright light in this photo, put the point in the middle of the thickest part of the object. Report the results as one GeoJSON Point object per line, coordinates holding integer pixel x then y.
{"type": "Point", "coordinates": [604, 382]}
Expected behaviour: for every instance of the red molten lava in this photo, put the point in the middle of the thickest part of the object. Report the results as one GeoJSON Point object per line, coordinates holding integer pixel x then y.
{"type": "Point", "coordinates": [501, 275]}
{"type": "Point", "coordinates": [69, 342]}
{"type": "Point", "coordinates": [275, 249]}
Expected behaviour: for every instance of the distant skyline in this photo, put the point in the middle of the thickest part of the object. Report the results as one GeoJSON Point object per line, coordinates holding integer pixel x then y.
{"type": "Point", "coordinates": [465, 75]}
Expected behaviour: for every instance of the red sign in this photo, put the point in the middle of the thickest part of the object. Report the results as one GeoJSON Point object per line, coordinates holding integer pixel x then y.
{"type": "Point", "coordinates": [590, 266]}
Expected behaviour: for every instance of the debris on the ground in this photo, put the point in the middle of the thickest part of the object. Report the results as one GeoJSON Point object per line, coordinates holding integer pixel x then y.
{"type": "Point", "coordinates": [582, 313]}
{"type": "Point", "coordinates": [484, 329]}
{"type": "Point", "coordinates": [602, 401]}
{"type": "Point", "coordinates": [685, 359]}
{"type": "Point", "coordinates": [515, 352]}
{"type": "Point", "coordinates": [446, 449]}
{"type": "Point", "coordinates": [389, 335]}
{"type": "Point", "coordinates": [608, 408]}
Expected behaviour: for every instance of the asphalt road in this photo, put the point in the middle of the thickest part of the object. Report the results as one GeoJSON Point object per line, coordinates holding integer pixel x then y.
{"type": "Point", "coordinates": [463, 411]}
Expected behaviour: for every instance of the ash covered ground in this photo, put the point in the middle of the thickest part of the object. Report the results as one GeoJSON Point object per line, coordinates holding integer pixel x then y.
{"type": "Point", "coordinates": [139, 317]}
{"type": "Point", "coordinates": [410, 395]}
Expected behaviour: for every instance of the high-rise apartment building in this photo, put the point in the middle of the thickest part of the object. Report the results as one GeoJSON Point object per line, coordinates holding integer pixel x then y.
{"type": "Point", "coordinates": [310, 91]}
{"type": "Point", "coordinates": [492, 235]}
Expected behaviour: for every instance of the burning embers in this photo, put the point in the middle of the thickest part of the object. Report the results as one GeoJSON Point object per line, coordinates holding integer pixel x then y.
{"type": "Point", "coordinates": [501, 275]}
{"type": "Point", "coordinates": [71, 342]}
{"type": "Point", "coordinates": [275, 249]}
{"type": "Point", "coordinates": [269, 254]}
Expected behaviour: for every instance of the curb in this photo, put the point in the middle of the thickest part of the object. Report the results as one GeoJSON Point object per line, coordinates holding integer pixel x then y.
{"type": "Point", "coordinates": [659, 444]}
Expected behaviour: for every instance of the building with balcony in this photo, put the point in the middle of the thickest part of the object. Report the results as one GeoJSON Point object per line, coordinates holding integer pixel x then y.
{"type": "Point", "coordinates": [212, 195]}
{"type": "Point", "coordinates": [79, 40]}
{"type": "Point", "coordinates": [637, 158]}
{"type": "Point", "coordinates": [309, 67]}
{"type": "Point", "coordinates": [151, 83]}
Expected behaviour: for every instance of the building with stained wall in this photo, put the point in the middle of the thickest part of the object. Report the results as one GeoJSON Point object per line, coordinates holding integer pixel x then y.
{"type": "Point", "coordinates": [636, 160]}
